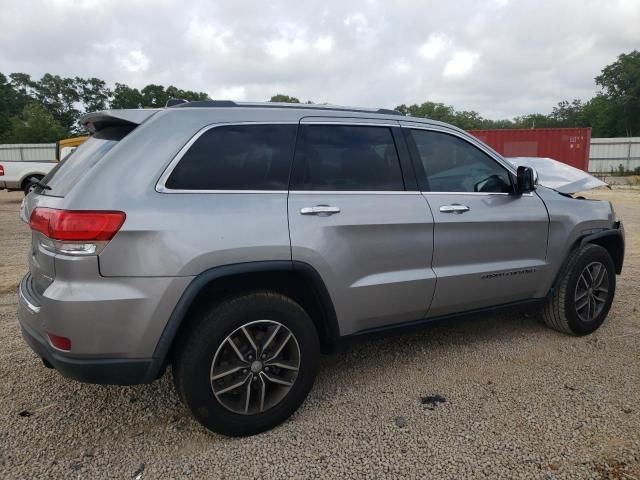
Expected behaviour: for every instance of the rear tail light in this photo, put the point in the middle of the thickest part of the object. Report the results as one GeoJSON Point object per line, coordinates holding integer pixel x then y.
{"type": "Point", "coordinates": [76, 232]}
{"type": "Point", "coordinates": [1, 171]}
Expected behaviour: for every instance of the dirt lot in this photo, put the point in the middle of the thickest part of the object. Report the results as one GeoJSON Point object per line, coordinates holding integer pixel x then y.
{"type": "Point", "coordinates": [522, 401]}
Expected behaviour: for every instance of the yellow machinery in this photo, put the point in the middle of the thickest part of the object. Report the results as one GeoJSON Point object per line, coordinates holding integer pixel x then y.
{"type": "Point", "coordinates": [67, 145]}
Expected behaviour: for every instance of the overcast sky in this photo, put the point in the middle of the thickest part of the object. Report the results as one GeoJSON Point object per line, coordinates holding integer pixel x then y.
{"type": "Point", "coordinates": [499, 57]}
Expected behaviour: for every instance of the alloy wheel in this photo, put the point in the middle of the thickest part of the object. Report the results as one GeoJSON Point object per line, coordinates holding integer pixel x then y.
{"type": "Point", "coordinates": [255, 367]}
{"type": "Point", "coordinates": [592, 291]}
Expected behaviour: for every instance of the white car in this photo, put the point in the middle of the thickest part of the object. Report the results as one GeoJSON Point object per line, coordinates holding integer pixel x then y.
{"type": "Point", "coordinates": [23, 165]}
{"type": "Point", "coordinates": [23, 175]}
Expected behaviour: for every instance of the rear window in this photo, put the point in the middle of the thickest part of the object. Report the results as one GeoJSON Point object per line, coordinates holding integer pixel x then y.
{"type": "Point", "coordinates": [346, 157]}
{"type": "Point", "coordinates": [66, 174]}
{"type": "Point", "coordinates": [237, 157]}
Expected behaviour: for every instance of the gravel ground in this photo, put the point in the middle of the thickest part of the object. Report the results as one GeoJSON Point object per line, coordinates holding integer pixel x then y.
{"type": "Point", "coordinates": [518, 401]}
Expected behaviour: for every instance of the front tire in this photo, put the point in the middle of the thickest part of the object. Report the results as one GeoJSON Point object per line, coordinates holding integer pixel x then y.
{"type": "Point", "coordinates": [583, 297]}
{"type": "Point", "coordinates": [247, 364]}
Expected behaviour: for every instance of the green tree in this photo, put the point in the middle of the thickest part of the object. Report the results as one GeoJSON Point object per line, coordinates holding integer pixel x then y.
{"type": "Point", "coordinates": [432, 110]}
{"type": "Point", "coordinates": [620, 83]}
{"type": "Point", "coordinates": [569, 114]}
{"type": "Point", "coordinates": [126, 97]}
{"type": "Point", "coordinates": [468, 120]}
{"type": "Point", "coordinates": [534, 120]}
{"type": "Point", "coordinates": [94, 94]}
{"type": "Point", "coordinates": [23, 85]}
{"type": "Point", "coordinates": [280, 98]}
{"type": "Point", "coordinates": [60, 97]}
{"type": "Point", "coordinates": [188, 95]}
{"type": "Point", "coordinates": [604, 117]}
{"type": "Point", "coordinates": [35, 124]}
{"type": "Point", "coordinates": [154, 96]}
{"type": "Point", "coordinates": [12, 101]}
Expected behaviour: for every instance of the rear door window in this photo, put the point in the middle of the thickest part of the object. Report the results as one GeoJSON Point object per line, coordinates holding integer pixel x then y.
{"type": "Point", "coordinates": [66, 174]}
{"type": "Point", "coordinates": [346, 157]}
{"type": "Point", "coordinates": [237, 157]}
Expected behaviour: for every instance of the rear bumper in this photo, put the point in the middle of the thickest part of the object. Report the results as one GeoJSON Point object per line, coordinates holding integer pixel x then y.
{"type": "Point", "coordinates": [108, 332]}
{"type": "Point", "coordinates": [111, 371]}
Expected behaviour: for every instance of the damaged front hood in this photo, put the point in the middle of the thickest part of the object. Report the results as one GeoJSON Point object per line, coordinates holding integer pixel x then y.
{"type": "Point", "coordinates": [559, 176]}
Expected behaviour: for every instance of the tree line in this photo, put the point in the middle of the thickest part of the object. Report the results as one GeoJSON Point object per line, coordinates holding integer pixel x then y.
{"type": "Point", "coordinates": [48, 109]}
{"type": "Point", "coordinates": [614, 111]}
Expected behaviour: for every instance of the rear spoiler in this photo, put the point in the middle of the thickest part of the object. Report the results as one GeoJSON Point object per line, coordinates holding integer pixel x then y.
{"type": "Point", "coordinates": [96, 121]}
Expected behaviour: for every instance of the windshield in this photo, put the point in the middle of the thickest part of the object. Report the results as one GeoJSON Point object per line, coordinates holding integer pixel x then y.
{"type": "Point", "coordinates": [67, 173]}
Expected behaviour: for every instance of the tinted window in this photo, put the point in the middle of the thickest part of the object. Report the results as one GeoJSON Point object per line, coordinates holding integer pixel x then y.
{"type": "Point", "coordinates": [451, 164]}
{"type": "Point", "coordinates": [67, 173]}
{"type": "Point", "coordinates": [338, 157]}
{"type": "Point", "coordinates": [237, 157]}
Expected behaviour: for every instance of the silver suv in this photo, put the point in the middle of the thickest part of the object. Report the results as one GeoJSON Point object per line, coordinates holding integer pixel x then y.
{"type": "Point", "coordinates": [235, 242]}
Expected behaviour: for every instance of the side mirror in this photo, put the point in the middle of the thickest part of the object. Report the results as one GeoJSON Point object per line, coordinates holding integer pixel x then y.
{"type": "Point", "coordinates": [526, 179]}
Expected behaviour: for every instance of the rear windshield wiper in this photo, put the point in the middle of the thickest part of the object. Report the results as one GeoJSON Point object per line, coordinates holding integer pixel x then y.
{"type": "Point", "coordinates": [43, 186]}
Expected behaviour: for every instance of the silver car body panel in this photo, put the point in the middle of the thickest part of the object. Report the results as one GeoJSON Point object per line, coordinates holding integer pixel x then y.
{"type": "Point", "coordinates": [385, 258]}
{"type": "Point", "coordinates": [559, 176]}
{"type": "Point", "coordinates": [378, 247]}
{"type": "Point", "coordinates": [494, 253]}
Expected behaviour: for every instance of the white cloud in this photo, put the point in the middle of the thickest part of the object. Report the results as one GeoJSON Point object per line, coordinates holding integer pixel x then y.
{"type": "Point", "coordinates": [501, 58]}
{"type": "Point", "coordinates": [229, 93]}
{"type": "Point", "coordinates": [402, 66]}
{"type": "Point", "coordinates": [357, 21]}
{"type": "Point", "coordinates": [281, 49]}
{"type": "Point", "coordinates": [324, 44]}
{"type": "Point", "coordinates": [127, 55]}
{"type": "Point", "coordinates": [206, 36]}
{"type": "Point", "coordinates": [460, 64]}
{"type": "Point", "coordinates": [134, 61]}
{"type": "Point", "coordinates": [434, 45]}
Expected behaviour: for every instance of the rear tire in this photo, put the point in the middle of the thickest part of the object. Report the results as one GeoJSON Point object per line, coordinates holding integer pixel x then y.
{"type": "Point", "coordinates": [247, 364]}
{"type": "Point", "coordinates": [583, 297]}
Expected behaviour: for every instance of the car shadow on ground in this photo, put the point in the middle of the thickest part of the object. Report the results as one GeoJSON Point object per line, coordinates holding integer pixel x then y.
{"type": "Point", "coordinates": [145, 407]}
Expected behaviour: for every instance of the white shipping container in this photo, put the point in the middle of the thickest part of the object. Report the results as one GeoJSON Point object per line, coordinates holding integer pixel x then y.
{"type": "Point", "coordinates": [28, 152]}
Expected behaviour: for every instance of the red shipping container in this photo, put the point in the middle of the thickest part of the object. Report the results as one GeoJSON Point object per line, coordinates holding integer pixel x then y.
{"type": "Point", "coordinates": [567, 145]}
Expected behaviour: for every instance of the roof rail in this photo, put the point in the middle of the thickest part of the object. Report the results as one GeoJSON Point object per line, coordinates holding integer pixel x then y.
{"type": "Point", "coordinates": [172, 102]}
{"type": "Point", "coordinates": [177, 103]}
{"type": "Point", "coordinates": [207, 103]}
{"type": "Point", "coordinates": [388, 111]}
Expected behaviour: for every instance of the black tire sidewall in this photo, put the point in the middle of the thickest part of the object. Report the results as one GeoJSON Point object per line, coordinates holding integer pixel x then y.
{"type": "Point", "coordinates": [29, 184]}
{"type": "Point", "coordinates": [592, 254]}
{"type": "Point", "coordinates": [194, 368]}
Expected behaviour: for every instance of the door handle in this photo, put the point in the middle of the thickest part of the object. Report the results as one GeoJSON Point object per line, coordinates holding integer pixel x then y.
{"type": "Point", "coordinates": [320, 210]}
{"type": "Point", "coordinates": [455, 208]}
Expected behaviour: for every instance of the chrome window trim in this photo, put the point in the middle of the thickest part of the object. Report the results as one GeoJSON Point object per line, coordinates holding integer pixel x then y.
{"type": "Point", "coordinates": [466, 193]}
{"type": "Point", "coordinates": [529, 194]}
{"type": "Point", "coordinates": [160, 189]}
{"type": "Point", "coordinates": [354, 192]}
{"type": "Point", "coordinates": [161, 186]}
{"type": "Point", "coordinates": [385, 123]}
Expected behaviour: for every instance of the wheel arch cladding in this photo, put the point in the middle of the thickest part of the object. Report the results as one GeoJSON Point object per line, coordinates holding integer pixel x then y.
{"type": "Point", "coordinates": [612, 241]}
{"type": "Point", "coordinates": [297, 280]}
